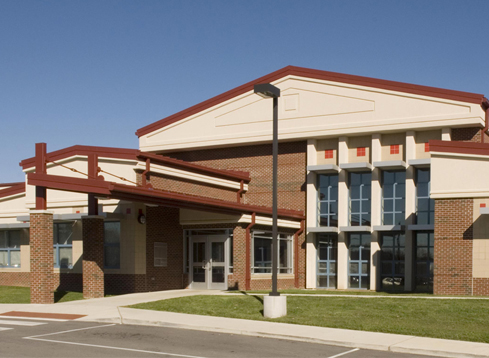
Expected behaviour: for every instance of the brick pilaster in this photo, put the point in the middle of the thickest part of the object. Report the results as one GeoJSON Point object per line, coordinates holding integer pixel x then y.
{"type": "Point", "coordinates": [41, 257]}
{"type": "Point", "coordinates": [93, 256]}
{"type": "Point", "coordinates": [453, 247]}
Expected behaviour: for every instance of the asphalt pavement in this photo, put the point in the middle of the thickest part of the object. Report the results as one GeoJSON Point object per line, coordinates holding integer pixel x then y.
{"type": "Point", "coordinates": [111, 310]}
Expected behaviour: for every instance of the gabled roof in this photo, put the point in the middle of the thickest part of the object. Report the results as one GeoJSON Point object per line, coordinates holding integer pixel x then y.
{"type": "Point", "coordinates": [320, 75]}
{"type": "Point", "coordinates": [134, 154]}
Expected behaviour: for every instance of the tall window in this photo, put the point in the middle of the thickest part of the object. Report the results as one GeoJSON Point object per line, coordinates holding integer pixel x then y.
{"type": "Point", "coordinates": [10, 248]}
{"type": "Point", "coordinates": [425, 242]}
{"type": "Point", "coordinates": [262, 253]}
{"type": "Point", "coordinates": [112, 244]}
{"type": "Point", "coordinates": [63, 245]}
{"type": "Point", "coordinates": [360, 188]}
{"type": "Point", "coordinates": [328, 200]}
{"type": "Point", "coordinates": [393, 197]}
{"type": "Point", "coordinates": [359, 261]}
{"type": "Point", "coordinates": [327, 253]}
{"type": "Point", "coordinates": [392, 261]}
{"type": "Point", "coordinates": [425, 207]}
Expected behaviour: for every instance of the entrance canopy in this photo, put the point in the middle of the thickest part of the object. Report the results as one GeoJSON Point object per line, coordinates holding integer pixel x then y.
{"type": "Point", "coordinates": [143, 167]}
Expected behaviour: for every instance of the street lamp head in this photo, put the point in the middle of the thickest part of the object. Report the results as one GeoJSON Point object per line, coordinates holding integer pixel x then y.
{"type": "Point", "coordinates": [267, 90]}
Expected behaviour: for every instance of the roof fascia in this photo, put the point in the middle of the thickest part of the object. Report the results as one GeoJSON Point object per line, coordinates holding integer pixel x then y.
{"type": "Point", "coordinates": [117, 153]}
{"type": "Point", "coordinates": [442, 146]}
{"type": "Point", "coordinates": [320, 75]}
{"type": "Point", "coordinates": [15, 189]}
{"type": "Point", "coordinates": [196, 168]}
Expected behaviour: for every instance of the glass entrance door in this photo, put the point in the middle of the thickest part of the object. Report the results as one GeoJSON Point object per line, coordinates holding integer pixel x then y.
{"type": "Point", "coordinates": [209, 264]}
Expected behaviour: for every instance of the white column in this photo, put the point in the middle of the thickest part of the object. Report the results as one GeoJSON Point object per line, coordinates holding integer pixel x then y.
{"type": "Point", "coordinates": [410, 211]}
{"type": "Point", "coordinates": [311, 217]}
{"type": "Point", "coordinates": [342, 269]}
{"type": "Point", "coordinates": [446, 134]}
{"type": "Point", "coordinates": [374, 260]}
{"type": "Point", "coordinates": [376, 208]}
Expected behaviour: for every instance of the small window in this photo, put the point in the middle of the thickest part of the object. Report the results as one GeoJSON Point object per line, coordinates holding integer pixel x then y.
{"type": "Point", "coordinates": [112, 244]}
{"type": "Point", "coordinates": [328, 154]}
{"type": "Point", "coordinates": [63, 245]}
{"type": "Point", "coordinates": [10, 248]}
{"type": "Point", "coordinates": [427, 147]}
{"type": "Point", "coordinates": [160, 254]}
{"type": "Point", "coordinates": [262, 253]}
{"type": "Point", "coordinates": [360, 151]}
{"type": "Point", "coordinates": [395, 149]}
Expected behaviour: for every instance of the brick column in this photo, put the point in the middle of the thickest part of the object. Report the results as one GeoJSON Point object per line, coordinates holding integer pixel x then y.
{"type": "Point", "coordinates": [41, 256]}
{"type": "Point", "coordinates": [93, 256]}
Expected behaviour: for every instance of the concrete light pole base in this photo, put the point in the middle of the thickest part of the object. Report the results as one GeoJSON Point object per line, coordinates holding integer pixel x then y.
{"type": "Point", "coordinates": [274, 306]}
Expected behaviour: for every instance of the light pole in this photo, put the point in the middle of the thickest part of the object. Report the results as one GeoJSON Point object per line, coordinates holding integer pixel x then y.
{"type": "Point", "coordinates": [274, 305]}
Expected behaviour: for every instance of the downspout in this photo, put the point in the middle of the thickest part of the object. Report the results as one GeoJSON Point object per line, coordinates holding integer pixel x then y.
{"type": "Point", "coordinates": [146, 171]}
{"type": "Point", "coordinates": [296, 254]}
{"type": "Point", "coordinates": [485, 106]}
{"type": "Point", "coordinates": [240, 191]}
{"type": "Point", "coordinates": [248, 253]}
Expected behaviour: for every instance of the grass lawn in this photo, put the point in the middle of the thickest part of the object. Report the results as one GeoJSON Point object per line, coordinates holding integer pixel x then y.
{"type": "Point", "coordinates": [339, 292]}
{"type": "Point", "coordinates": [450, 319]}
{"type": "Point", "coordinates": [11, 294]}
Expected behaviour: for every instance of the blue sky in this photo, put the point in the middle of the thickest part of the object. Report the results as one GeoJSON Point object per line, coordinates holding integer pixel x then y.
{"type": "Point", "coordinates": [93, 72]}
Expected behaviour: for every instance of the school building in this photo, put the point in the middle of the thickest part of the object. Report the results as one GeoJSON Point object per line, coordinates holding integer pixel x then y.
{"type": "Point", "coordinates": [381, 186]}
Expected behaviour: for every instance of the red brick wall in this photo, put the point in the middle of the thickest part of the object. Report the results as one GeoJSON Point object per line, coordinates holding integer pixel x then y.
{"type": "Point", "coordinates": [466, 134]}
{"type": "Point", "coordinates": [453, 246]}
{"type": "Point", "coordinates": [163, 225]}
{"type": "Point", "coordinates": [257, 160]}
{"type": "Point", "coordinates": [181, 185]}
{"type": "Point", "coordinates": [117, 284]}
{"type": "Point", "coordinates": [20, 279]}
{"type": "Point", "coordinates": [41, 257]}
{"type": "Point", "coordinates": [93, 257]}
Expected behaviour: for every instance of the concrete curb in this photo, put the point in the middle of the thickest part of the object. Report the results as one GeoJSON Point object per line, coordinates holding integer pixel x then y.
{"type": "Point", "coordinates": [309, 334]}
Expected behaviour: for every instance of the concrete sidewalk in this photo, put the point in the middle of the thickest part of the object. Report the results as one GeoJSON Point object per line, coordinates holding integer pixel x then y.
{"type": "Point", "coordinates": [111, 310]}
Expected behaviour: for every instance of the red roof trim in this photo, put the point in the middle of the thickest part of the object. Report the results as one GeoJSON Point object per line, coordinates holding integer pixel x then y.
{"type": "Point", "coordinates": [320, 75]}
{"type": "Point", "coordinates": [16, 188]}
{"type": "Point", "coordinates": [122, 191]}
{"type": "Point", "coordinates": [2, 185]}
{"type": "Point", "coordinates": [459, 147]}
{"type": "Point", "coordinates": [134, 154]}
{"type": "Point", "coordinates": [226, 174]}
{"type": "Point", "coordinates": [119, 153]}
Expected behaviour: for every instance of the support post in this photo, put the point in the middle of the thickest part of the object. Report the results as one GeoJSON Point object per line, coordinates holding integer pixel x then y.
{"type": "Point", "coordinates": [93, 256]}
{"type": "Point", "coordinates": [41, 257]}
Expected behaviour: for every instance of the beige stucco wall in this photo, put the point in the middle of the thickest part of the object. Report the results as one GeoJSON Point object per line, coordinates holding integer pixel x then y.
{"type": "Point", "coordinates": [310, 108]}
{"type": "Point", "coordinates": [422, 138]}
{"type": "Point", "coordinates": [393, 139]}
{"type": "Point", "coordinates": [459, 176]}
{"type": "Point", "coordinates": [480, 243]}
{"type": "Point", "coordinates": [327, 144]}
{"type": "Point", "coordinates": [356, 142]}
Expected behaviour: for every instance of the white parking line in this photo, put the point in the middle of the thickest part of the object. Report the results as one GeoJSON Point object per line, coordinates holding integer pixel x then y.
{"type": "Point", "coordinates": [4, 329]}
{"type": "Point", "coordinates": [345, 353]}
{"type": "Point", "coordinates": [36, 338]}
{"type": "Point", "coordinates": [20, 323]}
{"type": "Point", "coordinates": [36, 318]}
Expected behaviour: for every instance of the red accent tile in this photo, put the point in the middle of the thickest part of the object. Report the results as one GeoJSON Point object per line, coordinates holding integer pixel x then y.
{"type": "Point", "coordinates": [427, 147]}
{"type": "Point", "coordinates": [483, 205]}
{"type": "Point", "coordinates": [395, 149]}
{"type": "Point", "coordinates": [328, 154]}
{"type": "Point", "coordinates": [360, 151]}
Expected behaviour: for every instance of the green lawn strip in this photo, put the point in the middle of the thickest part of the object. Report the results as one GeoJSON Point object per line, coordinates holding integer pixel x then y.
{"type": "Point", "coordinates": [337, 292]}
{"type": "Point", "coordinates": [13, 294]}
{"type": "Point", "coordinates": [449, 319]}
